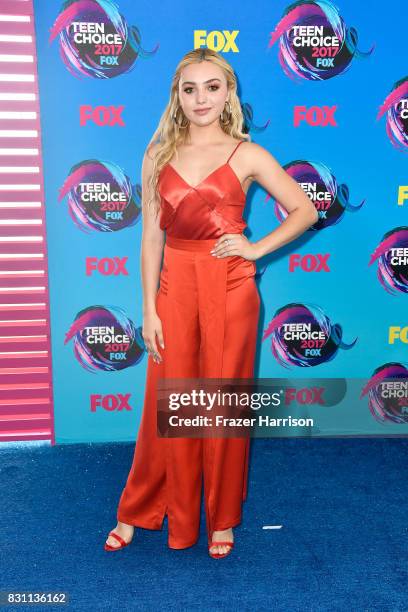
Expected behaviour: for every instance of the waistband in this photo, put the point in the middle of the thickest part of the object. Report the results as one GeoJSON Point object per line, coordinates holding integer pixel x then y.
{"type": "Point", "coordinates": [190, 245]}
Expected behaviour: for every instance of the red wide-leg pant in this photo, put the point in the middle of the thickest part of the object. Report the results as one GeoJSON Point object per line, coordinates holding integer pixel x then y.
{"type": "Point", "coordinates": [209, 309]}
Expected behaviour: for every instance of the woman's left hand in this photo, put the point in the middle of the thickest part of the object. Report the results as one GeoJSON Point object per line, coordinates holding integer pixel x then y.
{"type": "Point", "coordinates": [237, 244]}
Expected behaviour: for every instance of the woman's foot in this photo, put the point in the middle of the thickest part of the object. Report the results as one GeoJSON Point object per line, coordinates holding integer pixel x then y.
{"type": "Point", "coordinates": [124, 531]}
{"type": "Point", "coordinates": [225, 536]}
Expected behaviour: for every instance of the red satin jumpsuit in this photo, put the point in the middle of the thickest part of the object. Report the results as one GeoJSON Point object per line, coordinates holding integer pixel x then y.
{"type": "Point", "coordinates": [209, 309]}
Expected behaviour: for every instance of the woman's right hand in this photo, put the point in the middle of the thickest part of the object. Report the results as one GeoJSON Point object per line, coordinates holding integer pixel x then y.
{"type": "Point", "coordinates": [152, 330]}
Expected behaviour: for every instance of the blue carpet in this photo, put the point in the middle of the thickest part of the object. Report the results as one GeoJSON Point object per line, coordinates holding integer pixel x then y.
{"type": "Point", "coordinates": [342, 505]}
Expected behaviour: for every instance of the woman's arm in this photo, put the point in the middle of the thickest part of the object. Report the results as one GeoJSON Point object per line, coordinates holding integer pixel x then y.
{"type": "Point", "coordinates": [302, 212]}
{"type": "Point", "coordinates": [150, 261]}
{"type": "Point", "coordinates": [263, 168]}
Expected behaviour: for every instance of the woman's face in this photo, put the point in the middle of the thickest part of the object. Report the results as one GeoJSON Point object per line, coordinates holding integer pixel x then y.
{"type": "Point", "coordinates": [202, 87]}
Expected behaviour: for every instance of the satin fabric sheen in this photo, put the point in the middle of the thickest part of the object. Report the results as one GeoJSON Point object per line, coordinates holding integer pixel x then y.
{"type": "Point", "coordinates": [209, 309]}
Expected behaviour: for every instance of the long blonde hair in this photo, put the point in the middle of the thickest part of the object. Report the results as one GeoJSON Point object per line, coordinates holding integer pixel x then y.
{"type": "Point", "coordinates": [169, 135]}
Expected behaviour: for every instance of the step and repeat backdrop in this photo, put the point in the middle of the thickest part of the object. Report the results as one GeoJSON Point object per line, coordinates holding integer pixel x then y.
{"type": "Point", "coordinates": [324, 88]}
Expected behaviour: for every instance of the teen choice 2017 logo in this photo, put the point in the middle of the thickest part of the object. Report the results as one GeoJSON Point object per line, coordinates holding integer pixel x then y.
{"type": "Point", "coordinates": [314, 43]}
{"type": "Point", "coordinates": [395, 107]}
{"type": "Point", "coordinates": [304, 336]}
{"type": "Point", "coordinates": [95, 40]}
{"type": "Point", "coordinates": [392, 257]}
{"type": "Point", "coordinates": [105, 339]}
{"type": "Point", "coordinates": [387, 392]}
{"type": "Point", "coordinates": [101, 197]}
{"type": "Point", "coordinates": [319, 183]}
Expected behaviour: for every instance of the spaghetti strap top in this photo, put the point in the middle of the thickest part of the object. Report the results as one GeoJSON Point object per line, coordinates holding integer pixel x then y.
{"type": "Point", "coordinates": [208, 210]}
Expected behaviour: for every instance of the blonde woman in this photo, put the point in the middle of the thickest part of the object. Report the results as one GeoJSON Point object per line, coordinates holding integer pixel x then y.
{"type": "Point", "coordinates": [202, 320]}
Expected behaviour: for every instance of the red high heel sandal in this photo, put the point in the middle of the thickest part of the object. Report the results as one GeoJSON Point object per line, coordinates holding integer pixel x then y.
{"type": "Point", "coordinates": [219, 555]}
{"type": "Point", "coordinates": [117, 537]}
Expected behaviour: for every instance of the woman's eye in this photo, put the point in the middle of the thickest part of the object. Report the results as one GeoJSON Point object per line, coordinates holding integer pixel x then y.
{"type": "Point", "coordinates": [188, 90]}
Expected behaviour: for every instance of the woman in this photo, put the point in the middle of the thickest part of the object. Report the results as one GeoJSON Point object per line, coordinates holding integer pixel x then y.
{"type": "Point", "coordinates": [203, 319]}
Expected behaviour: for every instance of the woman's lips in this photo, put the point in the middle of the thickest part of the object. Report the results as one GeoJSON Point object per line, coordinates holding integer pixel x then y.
{"type": "Point", "coordinates": [202, 111]}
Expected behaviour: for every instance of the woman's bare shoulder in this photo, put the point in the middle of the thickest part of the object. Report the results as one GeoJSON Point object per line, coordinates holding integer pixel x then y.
{"type": "Point", "coordinates": [256, 154]}
{"type": "Point", "coordinates": [252, 148]}
{"type": "Point", "coordinates": [257, 159]}
{"type": "Point", "coordinates": [151, 150]}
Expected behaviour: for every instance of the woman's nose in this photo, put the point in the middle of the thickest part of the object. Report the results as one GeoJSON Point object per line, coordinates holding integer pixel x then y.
{"type": "Point", "coordinates": [201, 97]}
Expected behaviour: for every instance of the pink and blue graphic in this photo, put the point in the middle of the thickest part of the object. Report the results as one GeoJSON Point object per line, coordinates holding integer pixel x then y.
{"type": "Point", "coordinates": [101, 197]}
{"type": "Point", "coordinates": [105, 339]}
{"type": "Point", "coordinates": [331, 200]}
{"type": "Point", "coordinates": [249, 124]}
{"type": "Point", "coordinates": [392, 257]}
{"type": "Point", "coordinates": [387, 392]}
{"type": "Point", "coordinates": [302, 335]}
{"type": "Point", "coordinates": [101, 96]}
{"type": "Point", "coordinates": [95, 40]}
{"type": "Point", "coordinates": [314, 43]}
{"type": "Point", "coordinates": [396, 108]}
